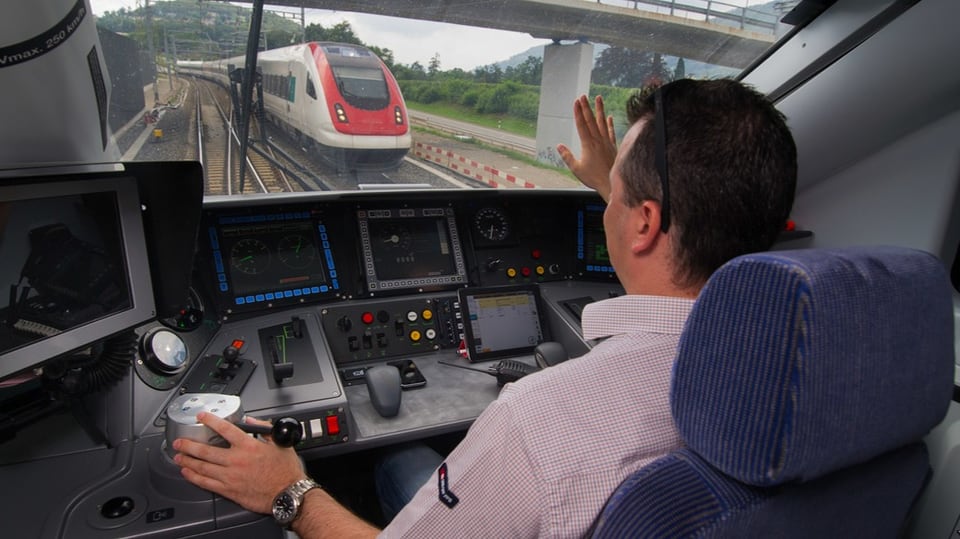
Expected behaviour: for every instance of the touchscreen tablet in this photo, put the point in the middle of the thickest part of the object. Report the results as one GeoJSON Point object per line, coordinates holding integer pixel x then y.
{"type": "Point", "coordinates": [502, 321]}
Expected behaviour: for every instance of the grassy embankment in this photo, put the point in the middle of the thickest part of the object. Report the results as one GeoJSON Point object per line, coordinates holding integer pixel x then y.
{"type": "Point", "coordinates": [494, 121]}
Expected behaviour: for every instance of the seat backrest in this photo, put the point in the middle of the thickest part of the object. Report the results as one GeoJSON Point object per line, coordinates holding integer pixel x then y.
{"type": "Point", "coordinates": [803, 384]}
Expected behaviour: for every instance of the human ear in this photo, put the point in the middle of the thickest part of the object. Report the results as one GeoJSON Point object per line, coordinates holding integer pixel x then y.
{"type": "Point", "coordinates": [645, 223]}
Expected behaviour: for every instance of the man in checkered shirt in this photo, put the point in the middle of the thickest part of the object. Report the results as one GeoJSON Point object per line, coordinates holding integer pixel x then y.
{"type": "Point", "coordinates": [706, 172]}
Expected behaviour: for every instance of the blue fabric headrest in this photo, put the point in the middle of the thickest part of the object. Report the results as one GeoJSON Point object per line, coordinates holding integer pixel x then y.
{"type": "Point", "coordinates": [794, 364]}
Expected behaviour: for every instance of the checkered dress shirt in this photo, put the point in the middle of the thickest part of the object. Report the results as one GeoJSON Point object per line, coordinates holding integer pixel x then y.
{"type": "Point", "coordinates": [544, 457]}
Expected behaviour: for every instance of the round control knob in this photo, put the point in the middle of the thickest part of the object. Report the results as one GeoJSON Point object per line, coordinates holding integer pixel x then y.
{"type": "Point", "coordinates": [286, 432]}
{"type": "Point", "coordinates": [164, 352]}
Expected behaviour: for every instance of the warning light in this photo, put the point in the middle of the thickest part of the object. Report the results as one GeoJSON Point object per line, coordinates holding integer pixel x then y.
{"type": "Point", "coordinates": [367, 317]}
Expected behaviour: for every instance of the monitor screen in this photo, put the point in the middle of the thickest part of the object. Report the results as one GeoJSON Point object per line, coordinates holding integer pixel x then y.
{"type": "Point", "coordinates": [270, 259]}
{"type": "Point", "coordinates": [69, 251]}
{"type": "Point", "coordinates": [410, 248]}
{"type": "Point", "coordinates": [502, 321]}
{"type": "Point", "coordinates": [593, 259]}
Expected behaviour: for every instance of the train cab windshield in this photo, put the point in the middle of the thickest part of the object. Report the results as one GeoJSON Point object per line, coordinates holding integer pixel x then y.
{"type": "Point", "coordinates": [421, 69]}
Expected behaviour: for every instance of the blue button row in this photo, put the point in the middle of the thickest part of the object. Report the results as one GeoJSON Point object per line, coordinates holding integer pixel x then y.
{"type": "Point", "coordinates": [270, 296]}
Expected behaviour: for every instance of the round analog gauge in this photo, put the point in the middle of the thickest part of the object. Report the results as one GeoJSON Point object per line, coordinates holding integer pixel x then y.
{"type": "Point", "coordinates": [492, 224]}
{"type": "Point", "coordinates": [296, 251]}
{"type": "Point", "coordinates": [251, 256]}
{"type": "Point", "coordinates": [395, 236]}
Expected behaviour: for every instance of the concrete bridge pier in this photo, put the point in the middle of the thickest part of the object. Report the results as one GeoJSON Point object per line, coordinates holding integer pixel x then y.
{"type": "Point", "coordinates": [566, 76]}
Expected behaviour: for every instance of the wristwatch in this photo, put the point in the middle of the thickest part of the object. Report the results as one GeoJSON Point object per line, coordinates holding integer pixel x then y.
{"type": "Point", "coordinates": [287, 504]}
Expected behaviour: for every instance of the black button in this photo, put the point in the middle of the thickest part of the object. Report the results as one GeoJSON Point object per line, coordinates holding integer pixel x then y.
{"type": "Point", "coordinates": [117, 507]}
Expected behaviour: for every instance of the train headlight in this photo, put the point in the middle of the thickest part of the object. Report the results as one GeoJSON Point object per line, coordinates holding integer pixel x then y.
{"type": "Point", "coordinates": [397, 115]}
{"type": "Point", "coordinates": [341, 114]}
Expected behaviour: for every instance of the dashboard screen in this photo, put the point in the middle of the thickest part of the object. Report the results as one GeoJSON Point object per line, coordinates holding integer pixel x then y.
{"type": "Point", "coordinates": [592, 255]}
{"type": "Point", "coordinates": [74, 263]}
{"type": "Point", "coordinates": [407, 248]}
{"type": "Point", "coordinates": [502, 321]}
{"type": "Point", "coordinates": [273, 258]}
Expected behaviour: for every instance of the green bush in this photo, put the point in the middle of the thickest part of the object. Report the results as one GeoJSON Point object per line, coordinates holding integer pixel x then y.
{"type": "Point", "coordinates": [525, 105]}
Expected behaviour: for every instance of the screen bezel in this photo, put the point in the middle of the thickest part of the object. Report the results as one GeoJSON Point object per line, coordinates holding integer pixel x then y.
{"type": "Point", "coordinates": [224, 282]}
{"type": "Point", "coordinates": [586, 266]}
{"type": "Point", "coordinates": [375, 284]}
{"type": "Point", "coordinates": [133, 240]}
{"type": "Point", "coordinates": [492, 291]}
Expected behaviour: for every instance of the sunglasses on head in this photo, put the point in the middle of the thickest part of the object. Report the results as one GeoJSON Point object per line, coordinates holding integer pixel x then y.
{"type": "Point", "coordinates": [660, 158]}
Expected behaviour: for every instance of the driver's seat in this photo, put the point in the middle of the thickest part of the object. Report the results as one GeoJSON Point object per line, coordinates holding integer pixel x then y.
{"type": "Point", "coordinates": [803, 385]}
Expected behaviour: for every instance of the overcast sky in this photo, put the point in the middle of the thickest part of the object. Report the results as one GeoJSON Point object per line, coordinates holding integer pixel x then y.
{"type": "Point", "coordinates": [410, 40]}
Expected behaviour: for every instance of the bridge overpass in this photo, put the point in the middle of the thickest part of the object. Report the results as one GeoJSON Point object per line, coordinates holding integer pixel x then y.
{"type": "Point", "coordinates": [707, 31]}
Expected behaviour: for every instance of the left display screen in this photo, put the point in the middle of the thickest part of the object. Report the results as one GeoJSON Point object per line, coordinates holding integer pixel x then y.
{"type": "Point", "coordinates": [273, 258]}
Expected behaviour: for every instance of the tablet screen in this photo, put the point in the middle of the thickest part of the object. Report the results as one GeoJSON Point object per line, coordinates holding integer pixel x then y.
{"type": "Point", "coordinates": [502, 321]}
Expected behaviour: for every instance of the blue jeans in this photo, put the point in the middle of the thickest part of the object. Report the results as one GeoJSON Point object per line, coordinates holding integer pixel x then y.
{"type": "Point", "coordinates": [401, 472]}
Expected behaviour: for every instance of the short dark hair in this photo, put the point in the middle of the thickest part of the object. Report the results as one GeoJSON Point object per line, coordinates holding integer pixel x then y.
{"type": "Point", "coordinates": [732, 171]}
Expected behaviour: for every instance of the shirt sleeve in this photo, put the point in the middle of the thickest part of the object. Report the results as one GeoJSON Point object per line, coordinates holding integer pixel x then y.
{"type": "Point", "coordinates": [491, 476]}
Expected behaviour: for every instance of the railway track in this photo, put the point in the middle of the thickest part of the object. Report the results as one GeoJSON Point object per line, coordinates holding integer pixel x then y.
{"type": "Point", "coordinates": [219, 148]}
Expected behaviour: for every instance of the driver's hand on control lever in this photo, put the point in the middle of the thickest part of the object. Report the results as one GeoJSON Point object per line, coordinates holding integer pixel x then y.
{"type": "Point", "coordinates": [250, 472]}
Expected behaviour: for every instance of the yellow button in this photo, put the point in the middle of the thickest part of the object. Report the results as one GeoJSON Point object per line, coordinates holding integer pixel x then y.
{"type": "Point", "coordinates": [540, 270]}
{"type": "Point", "coordinates": [511, 272]}
{"type": "Point", "coordinates": [427, 314]}
{"type": "Point", "coordinates": [415, 336]}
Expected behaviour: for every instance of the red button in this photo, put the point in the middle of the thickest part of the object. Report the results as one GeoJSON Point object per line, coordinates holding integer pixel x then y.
{"type": "Point", "coordinates": [536, 254]}
{"type": "Point", "coordinates": [333, 425]}
{"type": "Point", "coordinates": [367, 317]}
{"type": "Point", "coordinates": [525, 271]}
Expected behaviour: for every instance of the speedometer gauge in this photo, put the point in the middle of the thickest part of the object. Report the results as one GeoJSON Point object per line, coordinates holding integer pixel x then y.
{"type": "Point", "coordinates": [492, 224]}
{"type": "Point", "coordinates": [251, 256]}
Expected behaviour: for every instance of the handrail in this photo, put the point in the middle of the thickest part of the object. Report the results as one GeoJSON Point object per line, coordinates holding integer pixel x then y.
{"type": "Point", "coordinates": [710, 9]}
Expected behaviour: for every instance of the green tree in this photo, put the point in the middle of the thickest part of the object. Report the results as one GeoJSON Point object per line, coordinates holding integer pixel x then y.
{"type": "Point", "coordinates": [680, 71]}
{"type": "Point", "coordinates": [434, 66]}
{"type": "Point", "coordinates": [530, 71]}
{"type": "Point", "coordinates": [618, 66]}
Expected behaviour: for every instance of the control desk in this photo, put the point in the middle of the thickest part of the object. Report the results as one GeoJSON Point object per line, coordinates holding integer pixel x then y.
{"type": "Point", "coordinates": [292, 298]}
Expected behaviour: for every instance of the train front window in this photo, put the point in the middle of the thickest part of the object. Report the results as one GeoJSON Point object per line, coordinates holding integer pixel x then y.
{"type": "Point", "coordinates": [493, 86]}
{"type": "Point", "coordinates": [360, 82]}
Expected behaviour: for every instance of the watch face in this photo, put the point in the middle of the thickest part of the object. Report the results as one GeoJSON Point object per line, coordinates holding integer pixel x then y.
{"type": "Point", "coordinates": [284, 508]}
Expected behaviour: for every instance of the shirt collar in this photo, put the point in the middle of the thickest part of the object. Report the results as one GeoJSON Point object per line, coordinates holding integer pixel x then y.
{"type": "Point", "coordinates": [635, 313]}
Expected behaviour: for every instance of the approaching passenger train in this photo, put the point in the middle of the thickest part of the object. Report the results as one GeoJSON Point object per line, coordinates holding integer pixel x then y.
{"type": "Point", "coordinates": [375, 316]}
{"type": "Point", "coordinates": [339, 99]}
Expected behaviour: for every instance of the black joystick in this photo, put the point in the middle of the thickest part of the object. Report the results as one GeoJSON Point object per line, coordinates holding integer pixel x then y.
{"type": "Point", "coordinates": [286, 431]}
{"type": "Point", "coordinates": [230, 354]}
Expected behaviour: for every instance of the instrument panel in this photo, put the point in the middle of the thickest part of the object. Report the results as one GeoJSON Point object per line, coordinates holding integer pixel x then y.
{"type": "Point", "coordinates": [275, 252]}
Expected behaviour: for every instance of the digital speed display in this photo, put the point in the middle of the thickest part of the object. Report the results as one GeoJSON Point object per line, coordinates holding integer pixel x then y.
{"type": "Point", "coordinates": [272, 258]}
{"type": "Point", "coordinates": [409, 248]}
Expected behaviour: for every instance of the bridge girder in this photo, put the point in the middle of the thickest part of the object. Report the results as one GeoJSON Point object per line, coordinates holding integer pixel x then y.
{"type": "Point", "coordinates": [576, 20]}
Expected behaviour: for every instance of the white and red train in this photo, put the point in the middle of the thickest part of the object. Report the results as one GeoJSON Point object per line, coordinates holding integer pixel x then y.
{"type": "Point", "coordinates": [340, 99]}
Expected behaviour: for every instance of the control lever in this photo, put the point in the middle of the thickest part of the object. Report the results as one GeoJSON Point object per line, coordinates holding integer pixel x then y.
{"type": "Point", "coordinates": [506, 371]}
{"type": "Point", "coordinates": [285, 432]}
{"type": "Point", "coordinates": [182, 421]}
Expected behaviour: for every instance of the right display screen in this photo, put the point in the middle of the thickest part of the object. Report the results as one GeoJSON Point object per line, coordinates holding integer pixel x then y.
{"type": "Point", "coordinates": [593, 258]}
